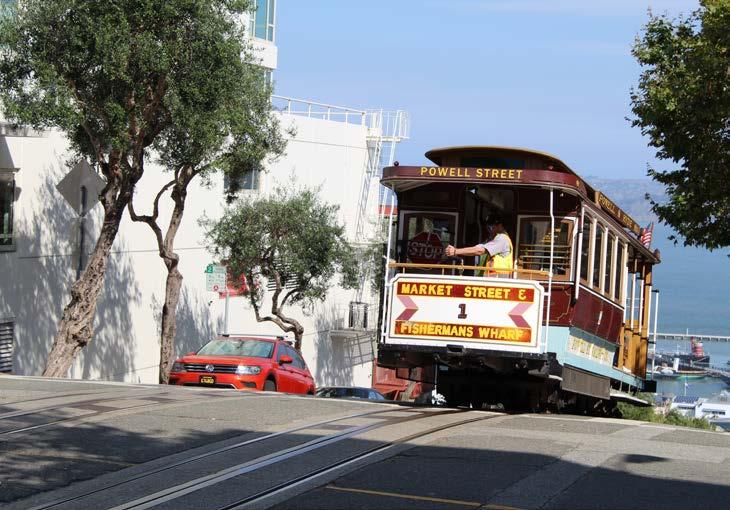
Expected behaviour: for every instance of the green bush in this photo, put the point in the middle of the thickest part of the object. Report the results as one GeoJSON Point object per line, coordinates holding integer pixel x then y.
{"type": "Point", "coordinates": [673, 417]}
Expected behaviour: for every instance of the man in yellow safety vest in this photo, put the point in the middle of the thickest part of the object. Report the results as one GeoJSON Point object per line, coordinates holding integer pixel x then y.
{"type": "Point", "coordinates": [496, 255]}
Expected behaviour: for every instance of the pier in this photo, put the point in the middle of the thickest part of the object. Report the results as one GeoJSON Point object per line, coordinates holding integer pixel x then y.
{"type": "Point", "coordinates": [696, 336]}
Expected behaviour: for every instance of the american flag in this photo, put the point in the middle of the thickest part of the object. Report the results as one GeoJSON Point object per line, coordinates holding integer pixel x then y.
{"type": "Point", "coordinates": [646, 234]}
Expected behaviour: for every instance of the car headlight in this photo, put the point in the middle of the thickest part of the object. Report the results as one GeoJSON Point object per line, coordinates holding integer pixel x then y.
{"type": "Point", "coordinates": [177, 367]}
{"type": "Point", "coordinates": [247, 370]}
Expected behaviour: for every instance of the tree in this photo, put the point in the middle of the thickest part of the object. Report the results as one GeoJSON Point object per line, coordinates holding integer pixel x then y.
{"type": "Point", "coordinates": [292, 240]}
{"type": "Point", "coordinates": [232, 134]}
{"type": "Point", "coordinates": [227, 127]}
{"type": "Point", "coordinates": [109, 76]}
{"type": "Point", "coordinates": [683, 105]}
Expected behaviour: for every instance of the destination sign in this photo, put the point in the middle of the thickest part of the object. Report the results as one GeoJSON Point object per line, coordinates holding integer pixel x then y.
{"type": "Point", "coordinates": [504, 174]}
{"type": "Point", "coordinates": [616, 212]}
{"type": "Point", "coordinates": [448, 309]}
{"type": "Point", "coordinates": [487, 175]}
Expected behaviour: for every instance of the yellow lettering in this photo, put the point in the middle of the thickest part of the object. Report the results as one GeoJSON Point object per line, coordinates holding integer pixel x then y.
{"type": "Point", "coordinates": [467, 291]}
{"type": "Point", "coordinates": [522, 295]}
{"type": "Point", "coordinates": [495, 173]}
{"type": "Point", "coordinates": [448, 289]}
{"type": "Point", "coordinates": [443, 171]}
{"type": "Point", "coordinates": [424, 170]}
{"type": "Point", "coordinates": [519, 174]}
{"type": "Point", "coordinates": [511, 174]}
{"type": "Point", "coordinates": [422, 289]}
{"type": "Point", "coordinates": [479, 173]}
{"type": "Point", "coordinates": [470, 331]}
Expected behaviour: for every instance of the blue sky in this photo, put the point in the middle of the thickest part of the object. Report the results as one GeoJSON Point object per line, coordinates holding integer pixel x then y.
{"type": "Point", "coordinates": [548, 75]}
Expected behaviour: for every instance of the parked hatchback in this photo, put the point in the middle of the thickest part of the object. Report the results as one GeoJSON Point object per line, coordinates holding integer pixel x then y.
{"type": "Point", "coordinates": [245, 363]}
{"type": "Point", "coordinates": [350, 392]}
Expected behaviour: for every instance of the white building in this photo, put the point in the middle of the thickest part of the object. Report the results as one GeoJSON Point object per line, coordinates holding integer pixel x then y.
{"type": "Point", "coordinates": [43, 241]}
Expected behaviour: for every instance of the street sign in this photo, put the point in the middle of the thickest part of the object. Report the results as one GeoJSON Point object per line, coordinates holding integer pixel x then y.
{"type": "Point", "coordinates": [70, 187]}
{"type": "Point", "coordinates": [215, 278]}
{"type": "Point", "coordinates": [434, 309]}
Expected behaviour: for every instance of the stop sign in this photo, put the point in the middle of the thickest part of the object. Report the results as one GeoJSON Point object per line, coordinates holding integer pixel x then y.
{"type": "Point", "coordinates": [425, 248]}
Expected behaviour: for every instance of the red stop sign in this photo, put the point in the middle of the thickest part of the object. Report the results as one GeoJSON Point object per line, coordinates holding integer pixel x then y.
{"type": "Point", "coordinates": [425, 248]}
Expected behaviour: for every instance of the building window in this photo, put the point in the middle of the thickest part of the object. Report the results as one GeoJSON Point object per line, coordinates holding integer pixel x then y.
{"type": "Point", "coordinates": [7, 198]}
{"type": "Point", "coordinates": [261, 25]}
{"type": "Point", "coordinates": [6, 346]}
{"type": "Point", "coordinates": [249, 180]}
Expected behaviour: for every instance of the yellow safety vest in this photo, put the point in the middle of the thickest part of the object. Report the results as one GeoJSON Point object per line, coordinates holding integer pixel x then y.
{"type": "Point", "coordinates": [503, 262]}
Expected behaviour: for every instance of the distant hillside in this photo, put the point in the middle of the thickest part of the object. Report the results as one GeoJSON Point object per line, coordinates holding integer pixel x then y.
{"type": "Point", "coordinates": [629, 195]}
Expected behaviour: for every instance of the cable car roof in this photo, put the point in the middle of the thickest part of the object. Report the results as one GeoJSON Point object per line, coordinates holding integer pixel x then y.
{"type": "Point", "coordinates": [437, 155]}
{"type": "Point", "coordinates": [548, 168]}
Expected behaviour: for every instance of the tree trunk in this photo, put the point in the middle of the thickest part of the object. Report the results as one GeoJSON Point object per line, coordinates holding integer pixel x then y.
{"type": "Point", "coordinates": [298, 334]}
{"type": "Point", "coordinates": [173, 287]}
{"type": "Point", "coordinates": [75, 328]}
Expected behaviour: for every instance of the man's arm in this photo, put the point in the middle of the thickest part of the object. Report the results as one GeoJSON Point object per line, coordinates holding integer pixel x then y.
{"type": "Point", "coordinates": [471, 251]}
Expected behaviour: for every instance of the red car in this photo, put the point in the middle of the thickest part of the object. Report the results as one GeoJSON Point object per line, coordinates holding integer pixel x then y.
{"type": "Point", "coordinates": [245, 363]}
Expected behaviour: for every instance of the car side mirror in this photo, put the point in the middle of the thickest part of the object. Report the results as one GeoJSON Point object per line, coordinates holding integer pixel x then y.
{"type": "Point", "coordinates": [286, 359]}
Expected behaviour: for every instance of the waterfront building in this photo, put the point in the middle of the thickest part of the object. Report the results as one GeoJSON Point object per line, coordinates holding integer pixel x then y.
{"type": "Point", "coordinates": [44, 241]}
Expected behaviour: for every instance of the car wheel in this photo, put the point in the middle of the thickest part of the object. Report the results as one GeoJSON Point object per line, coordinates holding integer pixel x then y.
{"type": "Point", "coordinates": [269, 385]}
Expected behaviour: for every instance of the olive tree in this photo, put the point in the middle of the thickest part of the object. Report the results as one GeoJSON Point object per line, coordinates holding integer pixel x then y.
{"type": "Point", "coordinates": [228, 128]}
{"type": "Point", "coordinates": [290, 240]}
{"type": "Point", "coordinates": [111, 76]}
{"type": "Point", "coordinates": [682, 104]}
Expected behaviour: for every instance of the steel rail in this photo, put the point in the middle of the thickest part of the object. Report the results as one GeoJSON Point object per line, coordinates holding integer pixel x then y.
{"type": "Point", "coordinates": [161, 401]}
{"type": "Point", "coordinates": [201, 456]}
{"type": "Point", "coordinates": [26, 412]}
{"type": "Point", "coordinates": [284, 486]}
{"type": "Point", "coordinates": [14, 402]}
{"type": "Point", "coordinates": [177, 491]}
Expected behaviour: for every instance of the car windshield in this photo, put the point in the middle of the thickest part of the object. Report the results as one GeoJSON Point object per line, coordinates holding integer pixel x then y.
{"type": "Point", "coordinates": [238, 347]}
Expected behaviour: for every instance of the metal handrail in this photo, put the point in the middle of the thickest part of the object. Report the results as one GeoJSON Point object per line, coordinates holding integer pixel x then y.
{"type": "Point", "coordinates": [462, 267]}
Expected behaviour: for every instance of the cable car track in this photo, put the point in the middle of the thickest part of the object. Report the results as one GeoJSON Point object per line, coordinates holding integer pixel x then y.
{"type": "Point", "coordinates": [289, 484]}
{"type": "Point", "coordinates": [205, 455]}
{"type": "Point", "coordinates": [256, 463]}
{"type": "Point", "coordinates": [203, 482]}
{"type": "Point", "coordinates": [155, 400]}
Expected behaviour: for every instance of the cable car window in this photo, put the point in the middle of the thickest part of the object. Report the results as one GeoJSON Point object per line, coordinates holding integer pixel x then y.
{"type": "Point", "coordinates": [610, 246]}
{"type": "Point", "coordinates": [597, 259]}
{"type": "Point", "coordinates": [585, 248]}
{"type": "Point", "coordinates": [533, 251]}
{"type": "Point", "coordinates": [620, 266]}
{"type": "Point", "coordinates": [426, 235]}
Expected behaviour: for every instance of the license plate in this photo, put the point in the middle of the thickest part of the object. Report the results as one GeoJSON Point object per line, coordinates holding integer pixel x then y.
{"type": "Point", "coordinates": [207, 379]}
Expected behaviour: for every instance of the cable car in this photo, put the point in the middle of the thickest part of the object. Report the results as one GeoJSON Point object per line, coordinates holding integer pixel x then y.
{"type": "Point", "coordinates": [565, 326]}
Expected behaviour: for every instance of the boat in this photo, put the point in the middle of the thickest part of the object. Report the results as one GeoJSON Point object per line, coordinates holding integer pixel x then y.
{"type": "Point", "coordinates": [691, 374]}
{"type": "Point", "coordinates": [687, 360]}
{"type": "Point", "coordinates": [665, 372]}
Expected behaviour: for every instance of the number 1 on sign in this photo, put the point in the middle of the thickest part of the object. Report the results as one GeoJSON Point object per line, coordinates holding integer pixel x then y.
{"type": "Point", "coordinates": [462, 307]}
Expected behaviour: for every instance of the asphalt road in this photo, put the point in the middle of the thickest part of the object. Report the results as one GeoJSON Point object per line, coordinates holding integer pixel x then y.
{"type": "Point", "coordinates": [76, 445]}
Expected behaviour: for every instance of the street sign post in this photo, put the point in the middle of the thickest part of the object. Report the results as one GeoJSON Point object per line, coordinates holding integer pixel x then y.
{"type": "Point", "coordinates": [215, 281]}
{"type": "Point", "coordinates": [215, 278]}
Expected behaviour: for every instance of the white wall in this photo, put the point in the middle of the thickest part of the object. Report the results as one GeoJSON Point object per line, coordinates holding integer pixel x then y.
{"type": "Point", "coordinates": [35, 279]}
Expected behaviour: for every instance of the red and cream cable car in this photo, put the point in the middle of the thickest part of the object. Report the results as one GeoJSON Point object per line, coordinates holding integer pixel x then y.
{"type": "Point", "coordinates": [566, 326]}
